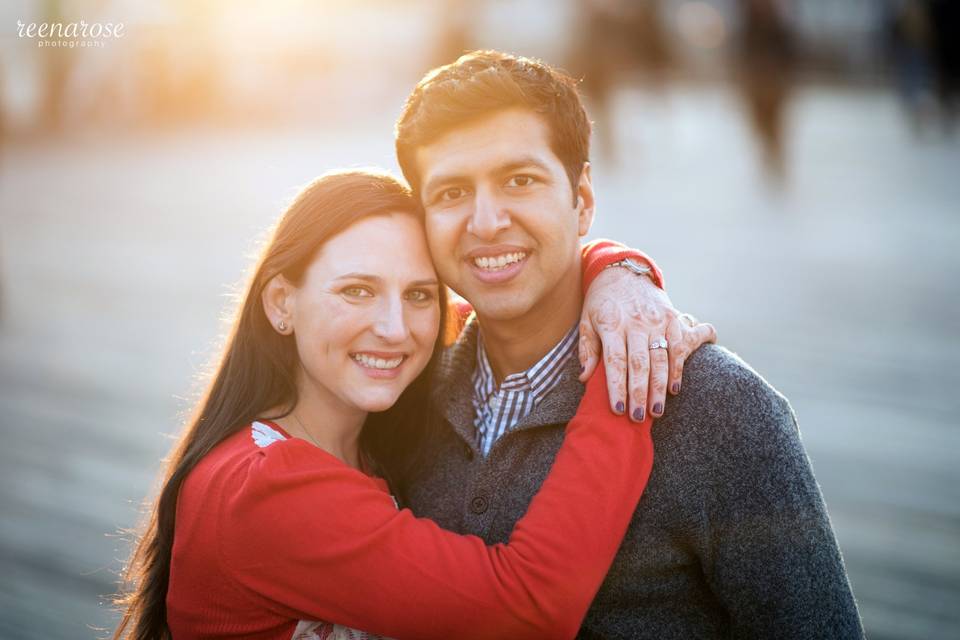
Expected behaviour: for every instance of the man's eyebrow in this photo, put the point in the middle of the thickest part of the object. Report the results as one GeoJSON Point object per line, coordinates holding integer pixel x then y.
{"type": "Point", "coordinates": [440, 180]}
{"type": "Point", "coordinates": [522, 162]}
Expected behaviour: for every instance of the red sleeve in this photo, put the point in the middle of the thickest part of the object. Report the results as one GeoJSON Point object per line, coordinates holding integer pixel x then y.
{"type": "Point", "coordinates": [318, 540]}
{"type": "Point", "coordinates": [458, 313]}
{"type": "Point", "coordinates": [597, 255]}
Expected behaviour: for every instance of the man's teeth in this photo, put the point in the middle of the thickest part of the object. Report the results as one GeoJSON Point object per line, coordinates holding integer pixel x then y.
{"type": "Point", "coordinates": [377, 363]}
{"type": "Point", "coordinates": [495, 263]}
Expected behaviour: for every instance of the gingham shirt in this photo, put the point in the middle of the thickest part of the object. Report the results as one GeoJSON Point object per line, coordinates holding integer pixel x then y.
{"type": "Point", "coordinates": [498, 410]}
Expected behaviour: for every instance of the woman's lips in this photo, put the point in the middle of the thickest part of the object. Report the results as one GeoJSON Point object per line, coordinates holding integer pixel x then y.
{"type": "Point", "coordinates": [379, 364]}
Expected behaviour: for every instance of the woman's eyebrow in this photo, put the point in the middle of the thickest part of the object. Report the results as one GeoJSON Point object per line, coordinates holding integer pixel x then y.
{"type": "Point", "coordinates": [355, 275]}
{"type": "Point", "coordinates": [367, 277]}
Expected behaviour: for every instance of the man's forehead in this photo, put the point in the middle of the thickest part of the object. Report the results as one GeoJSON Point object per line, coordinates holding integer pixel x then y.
{"type": "Point", "coordinates": [506, 137]}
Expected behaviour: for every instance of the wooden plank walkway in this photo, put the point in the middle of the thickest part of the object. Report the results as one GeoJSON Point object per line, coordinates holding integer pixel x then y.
{"type": "Point", "coordinates": [116, 257]}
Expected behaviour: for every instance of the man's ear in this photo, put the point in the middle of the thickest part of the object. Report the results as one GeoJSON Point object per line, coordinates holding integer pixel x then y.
{"type": "Point", "coordinates": [278, 301]}
{"type": "Point", "coordinates": [585, 200]}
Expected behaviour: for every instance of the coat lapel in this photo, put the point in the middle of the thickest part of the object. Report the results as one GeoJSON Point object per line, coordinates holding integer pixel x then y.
{"type": "Point", "coordinates": [454, 392]}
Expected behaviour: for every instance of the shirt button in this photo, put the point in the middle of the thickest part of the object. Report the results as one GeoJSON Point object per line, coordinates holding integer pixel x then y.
{"type": "Point", "coordinates": [479, 505]}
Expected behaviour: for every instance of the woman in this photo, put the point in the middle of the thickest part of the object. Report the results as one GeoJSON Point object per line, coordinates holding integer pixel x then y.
{"type": "Point", "coordinates": [272, 521]}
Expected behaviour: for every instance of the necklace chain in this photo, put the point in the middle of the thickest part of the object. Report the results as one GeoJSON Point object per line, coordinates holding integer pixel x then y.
{"type": "Point", "coordinates": [305, 430]}
{"type": "Point", "coordinates": [363, 461]}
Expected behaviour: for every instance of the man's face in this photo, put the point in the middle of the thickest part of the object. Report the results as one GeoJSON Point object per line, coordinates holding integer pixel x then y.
{"type": "Point", "coordinates": [501, 221]}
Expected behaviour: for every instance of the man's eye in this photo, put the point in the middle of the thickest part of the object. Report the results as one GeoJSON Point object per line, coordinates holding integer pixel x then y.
{"type": "Point", "coordinates": [357, 292]}
{"type": "Point", "coordinates": [453, 193]}
{"type": "Point", "coordinates": [520, 181]}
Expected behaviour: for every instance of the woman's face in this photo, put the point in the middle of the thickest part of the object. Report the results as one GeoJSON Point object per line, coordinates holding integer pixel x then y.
{"type": "Point", "coordinates": [366, 315]}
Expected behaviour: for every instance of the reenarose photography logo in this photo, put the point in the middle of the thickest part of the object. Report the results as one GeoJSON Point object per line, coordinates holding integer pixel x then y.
{"type": "Point", "coordinates": [71, 34]}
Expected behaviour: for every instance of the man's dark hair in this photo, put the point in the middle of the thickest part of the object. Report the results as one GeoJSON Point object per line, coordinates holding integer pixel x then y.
{"type": "Point", "coordinates": [480, 83]}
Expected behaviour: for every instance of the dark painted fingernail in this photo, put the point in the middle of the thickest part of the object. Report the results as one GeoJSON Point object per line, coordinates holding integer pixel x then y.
{"type": "Point", "coordinates": [676, 387]}
{"type": "Point", "coordinates": [619, 407]}
{"type": "Point", "coordinates": [582, 368]}
{"type": "Point", "coordinates": [657, 409]}
{"type": "Point", "coordinates": [638, 414]}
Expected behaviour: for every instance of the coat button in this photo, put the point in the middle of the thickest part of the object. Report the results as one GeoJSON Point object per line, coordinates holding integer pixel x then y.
{"type": "Point", "coordinates": [479, 505]}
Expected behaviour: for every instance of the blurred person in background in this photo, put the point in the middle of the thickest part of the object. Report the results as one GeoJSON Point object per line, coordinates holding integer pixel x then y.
{"type": "Point", "coordinates": [945, 18]}
{"type": "Point", "coordinates": [911, 39]}
{"type": "Point", "coordinates": [57, 64]}
{"type": "Point", "coordinates": [617, 39]}
{"type": "Point", "coordinates": [731, 537]}
{"type": "Point", "coordinates": [275, 521]}
{"type": "Point", "coordinates": [766, 57]}
{"type": "Point", "coordinates": [456, 19]}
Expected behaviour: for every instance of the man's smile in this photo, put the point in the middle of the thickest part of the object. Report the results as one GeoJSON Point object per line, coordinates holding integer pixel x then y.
{"type": "Point", "coordinates": [497, 264]}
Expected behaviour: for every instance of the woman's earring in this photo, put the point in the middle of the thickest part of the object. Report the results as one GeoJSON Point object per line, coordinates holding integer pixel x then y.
{"type": "Point", "coordinates": [282, 326]}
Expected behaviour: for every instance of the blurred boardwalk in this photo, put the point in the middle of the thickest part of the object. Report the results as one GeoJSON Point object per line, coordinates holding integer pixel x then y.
{"type": "Point", "coordinates": [117, 253]}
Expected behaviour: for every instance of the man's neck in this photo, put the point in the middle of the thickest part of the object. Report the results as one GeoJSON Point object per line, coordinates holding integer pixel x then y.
{"type": "Point", "coordinates": [517, 344]}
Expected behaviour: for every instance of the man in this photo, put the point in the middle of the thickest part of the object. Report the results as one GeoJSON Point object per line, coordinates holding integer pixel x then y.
{"type": "Point", "coordinates": [731, 537]}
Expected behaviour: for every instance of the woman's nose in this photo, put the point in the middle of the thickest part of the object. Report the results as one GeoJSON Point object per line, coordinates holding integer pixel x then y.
{"type": "Point", "coordinates": [391, 325]}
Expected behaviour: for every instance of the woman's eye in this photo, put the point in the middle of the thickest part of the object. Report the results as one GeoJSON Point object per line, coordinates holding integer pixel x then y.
{"type": "Point", "coordinates": [520, 181]}
{"type": "Point", "coordinates": [419, 295]}
{"type": "Point", "coordinates": [357, 292]}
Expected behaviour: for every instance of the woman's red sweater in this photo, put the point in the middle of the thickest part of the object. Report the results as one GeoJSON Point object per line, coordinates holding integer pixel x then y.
{"type": "Point", "coordinates": [271, 531]}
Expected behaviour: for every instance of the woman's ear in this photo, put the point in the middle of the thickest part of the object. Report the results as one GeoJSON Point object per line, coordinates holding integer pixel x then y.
{"type": "Point", "coordinates": [278, 303]}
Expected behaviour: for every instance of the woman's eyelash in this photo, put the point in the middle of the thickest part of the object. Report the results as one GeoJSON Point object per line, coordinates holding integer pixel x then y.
{"type": "Point", "coordinates": [424, 294]}
{"type": "Point", "coordinates": [356, 291]}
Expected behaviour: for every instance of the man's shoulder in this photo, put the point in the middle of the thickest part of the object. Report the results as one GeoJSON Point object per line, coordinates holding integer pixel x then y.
{"type": "Point", "coordinates": [713, 369]}
{"type": "Point", "coordinates": [725, 401]}
{"type": "Point", "coordinates": [728, 435]}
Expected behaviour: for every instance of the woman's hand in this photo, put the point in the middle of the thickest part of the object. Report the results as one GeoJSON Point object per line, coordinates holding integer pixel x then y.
{"type": "Point", "coordinates": [626, 317]}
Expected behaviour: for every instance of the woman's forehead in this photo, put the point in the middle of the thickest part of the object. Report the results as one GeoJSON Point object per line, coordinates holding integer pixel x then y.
{"type": "Point", "coordinates": [392, 246]}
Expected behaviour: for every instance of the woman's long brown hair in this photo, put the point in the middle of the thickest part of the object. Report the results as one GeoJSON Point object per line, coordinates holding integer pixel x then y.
{"type": "Point", "coordinates": [257, 371]}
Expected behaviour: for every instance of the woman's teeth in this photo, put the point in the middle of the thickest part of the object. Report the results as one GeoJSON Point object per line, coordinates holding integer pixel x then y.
{"type": "Point", "coordinates": [377, 363]}
{"type": "Point", "coordinates": [495, 263]}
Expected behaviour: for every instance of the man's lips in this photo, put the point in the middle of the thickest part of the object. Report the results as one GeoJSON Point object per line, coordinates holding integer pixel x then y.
{"type": "Point", "coordinates": [494, 250]}
{"type": "Point", "coordinates": [496, 264]}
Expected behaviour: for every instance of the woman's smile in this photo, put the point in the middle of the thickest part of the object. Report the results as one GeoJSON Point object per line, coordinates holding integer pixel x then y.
{"type": "Point", "coordinates": [379, 364]}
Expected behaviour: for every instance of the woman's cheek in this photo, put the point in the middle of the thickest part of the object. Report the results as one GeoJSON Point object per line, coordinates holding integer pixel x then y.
{"type": "Point", "coordinates": [333, 329]}
{"type": "Point", "coordinates": [431, 320]}
{"type": "Point", "coordinates": [425, 325]}
{"type": "Point", "coordinates": [349, 317]}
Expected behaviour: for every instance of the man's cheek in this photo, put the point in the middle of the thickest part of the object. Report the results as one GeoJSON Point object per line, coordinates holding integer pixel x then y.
{"type": "Point", "coordinates": [442, 242]}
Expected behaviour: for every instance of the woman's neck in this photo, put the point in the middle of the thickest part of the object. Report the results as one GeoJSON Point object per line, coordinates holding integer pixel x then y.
{"type": "Point", "coordinates": [323, 420]}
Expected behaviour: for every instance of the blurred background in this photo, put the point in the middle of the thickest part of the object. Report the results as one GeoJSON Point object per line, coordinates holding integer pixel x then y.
{"type": "Point", "coordinates": [793, 166]}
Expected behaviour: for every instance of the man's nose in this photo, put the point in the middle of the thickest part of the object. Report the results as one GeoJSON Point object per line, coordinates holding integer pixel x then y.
{"type": "Point", "coordinates": [489, 216]}
{"type": "Point", "coordinates": [391, 325]}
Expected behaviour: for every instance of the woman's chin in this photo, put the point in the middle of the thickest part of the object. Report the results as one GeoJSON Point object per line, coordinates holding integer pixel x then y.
{"type": "Point", "coordinates": [378, 400]}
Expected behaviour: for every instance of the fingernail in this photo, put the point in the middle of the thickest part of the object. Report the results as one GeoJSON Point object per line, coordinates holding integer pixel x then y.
{"type": "Point", "coordinates": [619, 407]}
{"type": "Point", "coordinates": [658, 408]}
{"type": "Point", "coordinates": [676, 387]}
{"type": "Point", "coordinates": [638, 414]}
{"type": "Point", "coordinates": [582, 368]}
